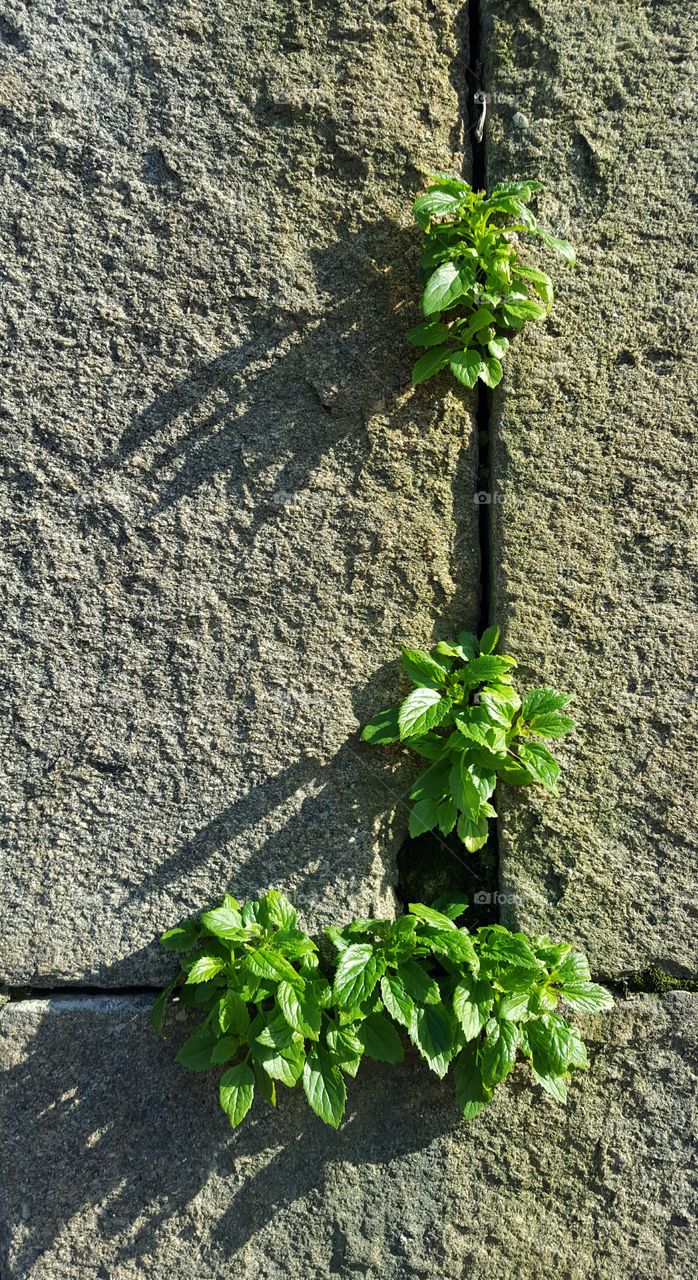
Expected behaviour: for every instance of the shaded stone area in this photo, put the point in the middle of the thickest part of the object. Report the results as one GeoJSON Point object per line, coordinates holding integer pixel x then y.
{"type": "Point", "coordinates": [226, 509]}
{"type": "Point", "coordinates": [122, 1165]}
{"type": "Point", "coordinates": [594, 464]}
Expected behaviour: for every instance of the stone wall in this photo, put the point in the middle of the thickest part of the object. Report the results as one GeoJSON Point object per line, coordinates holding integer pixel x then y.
{"type": "Point", "coordinates": [225, 512]}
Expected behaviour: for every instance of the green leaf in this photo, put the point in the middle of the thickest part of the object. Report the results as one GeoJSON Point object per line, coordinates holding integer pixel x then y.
{"type": "Point", "coordinates": [498, 347]}
{"type": "Point", "coordinates": [346, 1048]}
{"type": "Point", "coordinates": [471, 1094]}
{"type": "Point", "coordinates": [236, 1092]}
{"type": "Point", "coordinates": [383, 728]}
{"type": "Point", "coordinates": [523, 309]}
{"type": "Point", "coordinates": [472, 1001]}
{"type": "Point", "coordinates": [446, 816]}
{"type": "Point", "coordinates": [514, 1006]}
{"type": "Point", "coordinates": [358, 969]}
{"type": "Point", "coordinates": [445, 286]}
{"type": "Point", "coordinates": [285, 1065]}
{"type": "Point", "coordinates": [541, 282]}
{"type": "Point", "coordinates": [429, 334]}
{"type": "Point", "coordinates": [431, 916]}
{"type": "Point", "coordinates": [551, 724]}
{"type": "Point", "coordinates": [380, 1039]}
{"type": "Point", "coordinates": [466, 366]}
{"type": "Point", "coordinates": [399, 1004]}
{"type": "Point", "coordinates": [195, 1053]}
{"type": "Point", "coordinates": [232, 1014]}
{"type": "Point", "coordinates": [281, 912]}
{"type": "Point", "coordinates": [205, 968]}
{"type": "Point", "coordinates": [422, 710]}
{"type": "Point", "coordinates": [224, 1050]}
{"type": "Point", "coordinates": [183, 937]}
{"type": "Point", "coordinates": [431, 1032]}
{"type": "Point", "coordinates": [489, 640]}
{"type": "Point", "coordinates": [473, 833]}
{"type": "Point", "coordinates": [429, 364]}
{"type": "Point", "coordinates": [551, 1043]}
{"type": "Point", "coordinates": [498, 1051]}
{"type": "Point", "coordinates": [542, 766]}
{"type": "Point", "coordinates": [324, 1087]}
{"type": "Point", "coordinates": [488, 667]}
{"type": "Point", "coordinates": [451, 905]}
{"type": "Point", "coordinates": [556, 1086]}
{"type": "Point", "coordinates": [587, 997]}
{"type": "Point", "coordinates": [504, 946]}
{"type": "Point", "coordinates": [491, 371]}
{"type": "Point", "coordinates": [269, 964]}
{"type": "Point", "coordinates": [224, 922]}
{"type": "Point", "coordinates": [422, 669]}
{"type": "Point", "coordinates": [434, 205]}
{"type": "Point", "coordinates": [563, 247]}
{"type": "Point", "coordinates": [424, 816]}
{"type": "Point", "coordinates": [522, 190]}
{"type": "Point", "coordinates": [300, 1010]}
{"type": "Point", "coordinates": [419, 986]}
{"type": "Point", "coordinates": [574, 967]}
{"type": "Point", "coordinates": [455, 944]}
{"type": "Point", "coordinates": [157, 1015]}
{"type": "Point", "coordinates": [277, 1034]}
{"type": "Point", "coordinates": [266, 1087]}
{"type": "Point", "coordinates": [542, 701]}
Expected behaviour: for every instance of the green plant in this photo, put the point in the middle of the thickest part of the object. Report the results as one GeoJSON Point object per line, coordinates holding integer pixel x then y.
{"type": "Point", "coordinates": [466, 719]}
{"type": "Point", "coordinates": [279, 1010]}
{"type": "Point", "coordinates": [476, 294]}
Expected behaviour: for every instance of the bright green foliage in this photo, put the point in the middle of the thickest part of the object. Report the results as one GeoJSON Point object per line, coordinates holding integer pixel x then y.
{"type": "Point", "coordinates": [275, 1011]}
{"type": "Point", "coordinates": [466, 719]}
{"type": "Point", "coordinates": [476, 294]}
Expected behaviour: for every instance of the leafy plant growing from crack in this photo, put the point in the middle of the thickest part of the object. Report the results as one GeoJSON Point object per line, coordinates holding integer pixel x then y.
{"type": "Point", "coordinates": [278, 1009]}
{"type": "Point", "coordinates": [476, 290]}
{"type": "Point", "coordinates": [465, 717]}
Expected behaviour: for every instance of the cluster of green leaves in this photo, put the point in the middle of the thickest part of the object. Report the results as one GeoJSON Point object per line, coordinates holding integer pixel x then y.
{"type": "Point", "coordinates": [476, 294]}
{"type": "Point", "coordinates": [277, 1010]}
{"type": "Point", "coordinates": [466, 719]}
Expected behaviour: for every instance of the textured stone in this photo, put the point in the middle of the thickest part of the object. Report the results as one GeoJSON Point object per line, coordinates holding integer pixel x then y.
{"type": "Point", "coordinates": [120, 1164]}
{"type": "Point", "coordinates": [594, 466]}
{"type": "Point", "coordinates": [226, 510]}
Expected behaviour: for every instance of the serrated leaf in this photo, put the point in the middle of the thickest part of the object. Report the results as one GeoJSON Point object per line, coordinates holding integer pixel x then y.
{"type": "Point", "coordinates": [324, 1087]}
{"type": "Point", "coordinates": [491, 371]}
{"type": "Point", "coordinates": [277, 1034]}
{"type": "Point", "coordinates": [505, 946]}
{"type": "Point", "coordinates": [157, 1015]}
{"type": "Point", "coordinates": [431, 916]}
{"type": "Point", "coordinates": [237, 1092]}
{"type": "Point", "coordinates": [380, 1039]}
{"type": "Point", "coordinates": [183, 937]}
{"type": "Point", "coordinates": [429, 334]}
{"type": "Point", "coordinates": [563, 247]}
{"type": "Point", "coordinates": [556, 1086]}
{"type": "Point", "coordinates": [551, 1043]}
{"type": "Point", "coordinates": [424, 670]}
{"type": "Point", "coordinates": [433, 360]}
{"type": "Point", "coordinates": [224, 922]}
{"type": "Point", "coordinates": [574, 967]}
{"type": "Point", "coordinates": [472, 1002]}
{"type": "Point", "coordinates": [473, 832]}
{"type": "Point", "coordinates": [269, 964]}
{"type": "Point", "coordinates": [542, 701]}
{"type": "Point", "coordinates": [497, 1052]}
{"type": "Point", "coordinates": [423, 816]}
{"type": "Point", "coordinates": [471, 1094]}
{"type": "Point", "coordinates": [224, 1050]}
{"type": "Point", "coordinates": [445, 286]}
{"type": "Point", "coordinates": [358, 970]}
{"type": "Point", "coordinates": [205, 968]}
{"type": "Point", "coordinates": [280, 911]}
{"type": "Point", "coordinates": [587, 997]}
{"type": "Point", "coordinates": [266, 1087]}
{"type": "Point", "coordinates": [446, 816]}
{"type": "Point", "coordinates": [383, 728]}
{"type": "Point", "coordinates": [451, 905]}
{"type": "Point", "coordinates": [551, 724]}
{"type": "Point", "coordinates": [489, 640]}
{"type": "Point", "coordinates": [418, 984]}
{"type": "Point", "coordinates": [435, 204]}
{"type": "Point", "coordinates": [466, 366]}
{"type": "Point", "coordinates": [195, 1053]}
{"type": "Point", "coordinates": [300, 1010]}
{"type": "Point", "coordinates": [432, 1033]}
{"type": "Point", "coordinates": [422, 710]}
{"type": "Point", "coordinates": [233, 1016]}
{"type": "Point", "coordinates": [542, 766]}
{"type": "Point", "coordinates": [398, 1003]}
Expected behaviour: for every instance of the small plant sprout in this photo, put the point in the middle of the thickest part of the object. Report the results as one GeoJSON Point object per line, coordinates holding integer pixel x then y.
{"type": "Point", "coordinates": [477, 292]}
{"type": "Point", "coordinates": [277, 1009]}
{"type": "Point", "coordinates": [466, 719]}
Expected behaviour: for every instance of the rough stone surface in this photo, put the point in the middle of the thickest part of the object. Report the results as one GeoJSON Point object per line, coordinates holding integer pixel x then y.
{"type": "Point", "coordinates": [225, 510]}
{"type": "Point", "coordinates": [121, 1164]}
{"type": "Point", "coordinates": [594, 469]}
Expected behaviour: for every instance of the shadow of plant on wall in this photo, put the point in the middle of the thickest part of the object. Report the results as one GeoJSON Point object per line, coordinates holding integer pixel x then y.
{"type": "Point", "coordinates": [138, 1134]}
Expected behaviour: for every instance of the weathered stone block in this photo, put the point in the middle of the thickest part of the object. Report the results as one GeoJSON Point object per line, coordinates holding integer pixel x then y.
{"type": "Point", "coordinates": [120, 1164]}
{"type": "Point", "coordinates": [594, 453]}
{"type": "Point", "coordinates": [226, 508]}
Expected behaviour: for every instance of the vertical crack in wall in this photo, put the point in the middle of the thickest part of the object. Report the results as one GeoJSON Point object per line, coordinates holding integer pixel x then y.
{"type": "Point", "coordinates": [430, 865]}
